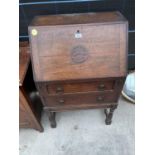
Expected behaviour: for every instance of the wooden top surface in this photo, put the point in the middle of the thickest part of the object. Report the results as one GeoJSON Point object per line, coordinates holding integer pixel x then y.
{"type": "Point", "coordinates": [24, 59]}
{"type": "Point", "coordinates": [82, 18]}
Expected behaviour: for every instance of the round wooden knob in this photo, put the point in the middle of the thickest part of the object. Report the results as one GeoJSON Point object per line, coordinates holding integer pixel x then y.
{"type": "Point", "coordinates": [101, 87]}
{"type": "Point", "coordinates": [100, 98]}
{"type": "Point", "coordinates": [59, 89]}
{"type": "Point", "coordinates": [61, 101]}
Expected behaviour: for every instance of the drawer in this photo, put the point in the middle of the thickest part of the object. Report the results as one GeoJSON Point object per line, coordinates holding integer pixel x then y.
{"type": "Point", "coordinates": [95, 98]}
{"type": "Point", "coordinates": [79, 87]}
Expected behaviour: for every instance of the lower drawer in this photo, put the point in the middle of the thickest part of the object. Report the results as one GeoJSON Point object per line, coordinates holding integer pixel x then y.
{"type": "Point", "coordinates": [95, 98]}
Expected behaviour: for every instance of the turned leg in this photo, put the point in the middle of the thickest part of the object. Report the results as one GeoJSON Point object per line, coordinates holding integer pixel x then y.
{"type": "Point", "coordinates": [52, 119]}
{"type": "Point", "coordinates": [109, 115]}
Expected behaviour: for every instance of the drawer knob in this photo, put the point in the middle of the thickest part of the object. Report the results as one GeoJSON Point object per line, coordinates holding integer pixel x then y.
{"type": "Point", "coordinates": [100, 98]}
{"type": "Point", "coordinates": [101, 87]}
{"type": "Point", "coordinates": [59, 89]}
{"type": "Point", "coordinates": [61, 101]}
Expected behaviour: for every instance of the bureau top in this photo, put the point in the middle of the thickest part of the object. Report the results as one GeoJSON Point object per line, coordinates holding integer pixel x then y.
{"type": "Point", "coordinates": [82, 18]}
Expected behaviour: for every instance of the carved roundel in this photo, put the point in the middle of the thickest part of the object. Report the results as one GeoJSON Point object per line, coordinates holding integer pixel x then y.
{"type": "Point", "coordinates": [79, 54]}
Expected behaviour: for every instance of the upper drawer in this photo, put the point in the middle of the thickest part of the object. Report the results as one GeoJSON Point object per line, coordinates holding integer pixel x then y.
{"type": "Point", "coordinates": [79, 87]}
{"type": "Point", "coordinates": [79, 51]}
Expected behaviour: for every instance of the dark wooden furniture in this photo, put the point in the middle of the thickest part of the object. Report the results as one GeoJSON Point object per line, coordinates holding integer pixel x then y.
{"type": "Point", "coordinates": [79, 61]}
{"type": "Point", "coordinates": [29, 114]}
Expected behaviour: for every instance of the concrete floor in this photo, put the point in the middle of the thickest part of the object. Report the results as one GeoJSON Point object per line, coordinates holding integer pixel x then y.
{"type": "Point", "coordinates": [83, 132]}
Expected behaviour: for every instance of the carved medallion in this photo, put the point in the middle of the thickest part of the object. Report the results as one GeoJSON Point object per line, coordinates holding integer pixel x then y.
{"type": "Point", "coordinates": [79, 54]}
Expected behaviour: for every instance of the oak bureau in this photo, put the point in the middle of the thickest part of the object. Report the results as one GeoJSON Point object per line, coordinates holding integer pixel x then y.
{"type": "Point", "coordinates": [79, 61]}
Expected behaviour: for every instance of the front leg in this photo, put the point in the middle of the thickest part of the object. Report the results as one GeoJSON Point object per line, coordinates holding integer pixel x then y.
{"type": "Point", "coordinates": [109, 114]}
{"type": "Point", "coordinates": [52, 119]}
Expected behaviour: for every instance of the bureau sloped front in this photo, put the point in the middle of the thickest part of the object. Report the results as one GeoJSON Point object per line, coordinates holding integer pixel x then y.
{"type": "Point", "coordinates": [59, 55]}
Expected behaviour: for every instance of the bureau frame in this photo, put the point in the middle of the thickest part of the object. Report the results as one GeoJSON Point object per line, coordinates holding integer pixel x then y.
{"type": "Point", "coordinates": [79, 61]}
